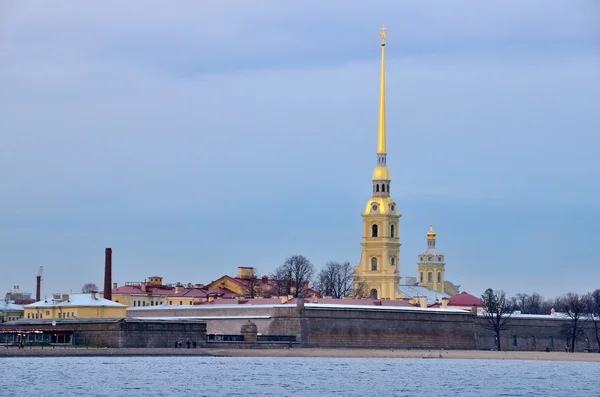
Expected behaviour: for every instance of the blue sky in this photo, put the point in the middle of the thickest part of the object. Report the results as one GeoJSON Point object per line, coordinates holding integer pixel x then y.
{"type": "Point", "coordinates": [195, 137]}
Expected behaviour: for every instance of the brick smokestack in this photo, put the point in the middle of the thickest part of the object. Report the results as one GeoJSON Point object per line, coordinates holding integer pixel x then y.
{"type": "Point", "coordinates": [108, 274]}
{"type": "Point", "coordinates": [38, 288]}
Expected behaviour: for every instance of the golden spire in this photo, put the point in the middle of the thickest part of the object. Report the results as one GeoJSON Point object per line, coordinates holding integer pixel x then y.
{"type": "Point", "coordinates": [431, 233]}
{"type": "Point", "coordinates": [381, 132]}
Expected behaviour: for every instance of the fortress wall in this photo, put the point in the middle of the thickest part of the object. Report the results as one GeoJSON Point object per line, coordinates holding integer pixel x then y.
{"type": "Point", "coordinates": [387, 329]}
{"type": "Point", "coordinates": [546, 333]}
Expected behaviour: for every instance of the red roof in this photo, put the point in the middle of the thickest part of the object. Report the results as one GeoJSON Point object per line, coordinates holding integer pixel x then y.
{"type": "Point", "coordinates": [150, 290]}
{"type": "Point", "coordinates": [464, 299]}
{"type": "Point", "coordinates": [191, 293]}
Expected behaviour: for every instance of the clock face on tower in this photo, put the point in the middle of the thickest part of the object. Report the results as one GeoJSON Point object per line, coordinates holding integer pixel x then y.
{"type": "Point", "coordinates": [374, 207]}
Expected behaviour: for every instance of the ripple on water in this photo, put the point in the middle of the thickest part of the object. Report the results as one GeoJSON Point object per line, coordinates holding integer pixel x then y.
{"type": "Point", "coordinates": [265, 376]}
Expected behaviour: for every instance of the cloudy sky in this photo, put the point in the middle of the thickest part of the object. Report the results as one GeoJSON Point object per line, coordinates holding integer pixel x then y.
{"type": "Point", "coordinates": [193, 137]}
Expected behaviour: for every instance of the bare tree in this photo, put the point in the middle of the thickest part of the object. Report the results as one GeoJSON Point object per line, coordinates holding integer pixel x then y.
{"type": "Point", "coordinates": [252, 285]}
{"type": "Point", "coordinates": [282, 282]}
{"type": "Point", "coordinates": [297, 272]}
{"type": "Point", "coordinates": [595, 314]}
{"type": "Point", "coordinates": [575, 306]}
{"type": "Point", "coordinates": [521, 301]}
{"type": "Point", "coordinates": [498, 312]}
{"type": "Point", "coordinates": [88, 288]}
{"type": "Point", "coordinates": [361, 288]}
{"type": "Point", "coordinates": [335, 279]}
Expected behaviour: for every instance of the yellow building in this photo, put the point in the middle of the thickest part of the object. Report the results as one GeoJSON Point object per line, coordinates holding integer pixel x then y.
{"type": "Point", "coordinates": [379, 266]}
{"type": "Point", "coordinates": [432, 267]}
{"type": "Point", "coordinates": [75, 306]}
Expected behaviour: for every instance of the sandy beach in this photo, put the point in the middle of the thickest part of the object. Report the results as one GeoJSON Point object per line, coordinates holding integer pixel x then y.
{"type": "Point", "coordinates": [303, 352]}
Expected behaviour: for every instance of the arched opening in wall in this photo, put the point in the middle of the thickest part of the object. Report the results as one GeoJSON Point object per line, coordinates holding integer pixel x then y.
{"type": "Point", "coordinates": [393, 261]}
{"type": "Point", "coordinates": [377, 187]}
{"type": "Point", "coordinates": [392, 231]}
{"type": "Point", "coordinates": [383, 188]}
{"type": "Point", "coordinates": [373, 264]}
{"type": "Point", "coordinates": [439, 277]}
{"type": "Point", "coordinates": [514, 340]}
{"type": "Point", "coordinates": [388, 187]}
{"type": "Point", "coordinates": [532, 342]}
{"type": "Point", "coordinates": [374, 231]}
{"type": "Point", "coordinates": [421, 277]}
{"type": "Point", "coordinates": [373, 293]}
{"type": "Point", "coordinates": [429, 277]}
{"type": "Point", "coordinates": [551, 343]}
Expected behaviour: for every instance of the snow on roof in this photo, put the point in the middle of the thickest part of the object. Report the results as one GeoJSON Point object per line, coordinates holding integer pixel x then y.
{"type": "Point", "coordinates": [410, 291]}
{"type": "Point", "coordinates": [10, 307]}
{"type": "Point", "coordinates": [76, 300]}
{"type": "Point", "coordinates": [306, 305]}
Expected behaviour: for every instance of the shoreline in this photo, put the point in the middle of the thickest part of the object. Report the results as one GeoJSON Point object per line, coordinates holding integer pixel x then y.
{"type": "Point", "coordinates": [301, 352]}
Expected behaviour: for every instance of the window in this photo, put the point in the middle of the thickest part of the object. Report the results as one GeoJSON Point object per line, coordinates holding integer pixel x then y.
{"type": "Point", "coordinates": [421, 258]}
{"type": "Point", "coordinates": [374, 231]}
{"type": "Point", "coordinates": [551, 342]}
{"type": "Point", "coordinates": [393, 261]}
{"type": "Point", "coordinates": [180, 302]}
{"type": "Point", "coordinates": [47, 312]}
{"type": "Point", "coordinates": [191, 303]}
{"type": "Point", "coordinates": [439, 277]}
{"type": "Point", "coordinates": [373, 294]}
{"type": "Point", "coordinates": [514, 338]}
{"type": "Point", "coordinates": [429, 277]}
{"type": "Point", "coordinates": [439, 258]}
{"type": "Point", "coordinates": [152, 303]}
{"type": "Point", "coordinates": [28, 314]}
{"type": "Point", "coordinates": [377, 187]}
{"type": "Point", "coordinates": [388, 190]}
{"type": "Point", "coordinates": [41, 315]}
{"type": "Point", "coordinates": [373, 263]}
{"type": "Point", "coordinates": [533, 342]}
{"type": "Point", "coordinates": [392, 231]}
{"type": "Point", "coordinates": [383, 188]}
{"type": "Point", "coordinates": [133, 303]}
{"type": "Point", "coordinates": [59, 315]}
{"type": "Point", "coordinates": [170, 302]}
{"type": "Point", "coordinates": [421, 276]}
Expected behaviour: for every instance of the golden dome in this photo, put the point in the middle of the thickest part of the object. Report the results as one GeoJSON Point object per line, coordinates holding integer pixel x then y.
{"type": "Point", "coordinates": [431, 233]}
{"type": "Point", "coordinates": [381, 205]}
{"type": "Point", "coordinates": [381, 173]}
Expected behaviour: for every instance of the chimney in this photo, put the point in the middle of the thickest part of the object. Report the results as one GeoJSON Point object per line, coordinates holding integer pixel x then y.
{"type": "Point", "coordinates": [115, 286]}
{"type": "Point", "coordinates": [38, 288]}
{"type": "Point", "coordinates": [445, 302]}
{"type": "Point", "coordinates": [108, 274]}
{"type": "Point", "coordinates": [423, 301]}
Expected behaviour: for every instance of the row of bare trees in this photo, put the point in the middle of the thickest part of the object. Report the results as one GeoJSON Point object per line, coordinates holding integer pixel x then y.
{"type": "Point", "coordinates": [297, 275]}
{"type": "Point", "coordinates": [580, 310]}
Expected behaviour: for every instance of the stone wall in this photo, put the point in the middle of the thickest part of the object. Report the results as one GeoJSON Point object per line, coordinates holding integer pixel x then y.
{"type": "Point", "coordinates": [127, 333]}
{"type": "Point", "coordinates": [387, 329]}
{"type": "Point", "coordinates": [155, 334]}
{"type": "Point", "coordinates": [530, 333]}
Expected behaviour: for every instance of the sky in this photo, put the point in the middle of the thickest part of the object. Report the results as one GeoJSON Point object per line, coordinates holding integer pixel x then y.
{"type": "Point", "coordinates": [195, 137]}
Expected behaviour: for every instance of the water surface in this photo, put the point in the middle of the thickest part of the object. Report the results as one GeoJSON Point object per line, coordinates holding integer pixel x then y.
{"type": "Point", "coordinates": [283, 376]}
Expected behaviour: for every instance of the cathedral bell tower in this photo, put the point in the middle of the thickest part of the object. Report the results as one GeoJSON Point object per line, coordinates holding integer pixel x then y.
{"type": "Point", "coordinates": [431, 265]}
{"type": "Point", "coordinates": [380, 257]}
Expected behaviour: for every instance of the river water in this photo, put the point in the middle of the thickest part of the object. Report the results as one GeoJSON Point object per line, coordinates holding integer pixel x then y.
{"type": "Point", "coordinates": [307, 377]}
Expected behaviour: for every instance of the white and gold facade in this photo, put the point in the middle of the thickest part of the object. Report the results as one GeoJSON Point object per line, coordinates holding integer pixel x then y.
{"type": "Point", "coordinates": [379, 266]}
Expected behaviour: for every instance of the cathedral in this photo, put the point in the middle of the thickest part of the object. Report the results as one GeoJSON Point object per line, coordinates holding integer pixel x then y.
{"type": "Point", "coordinates": [379, 266]}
